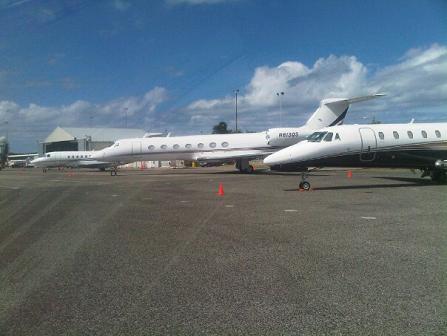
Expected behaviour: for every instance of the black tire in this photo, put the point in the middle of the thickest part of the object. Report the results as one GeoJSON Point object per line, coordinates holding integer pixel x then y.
{"type": "Point", "coordinates": [305, 185]}
{"type": "Point", "coordinates": [438, 176]}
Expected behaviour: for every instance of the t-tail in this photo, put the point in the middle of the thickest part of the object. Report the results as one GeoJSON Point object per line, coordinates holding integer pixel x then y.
{"type": "Point", "coordinates": [332, 111]}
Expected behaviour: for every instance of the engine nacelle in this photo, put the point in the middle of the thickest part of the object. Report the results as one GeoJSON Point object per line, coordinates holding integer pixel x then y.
{"type": "Point", "coordinates": [284, 137]}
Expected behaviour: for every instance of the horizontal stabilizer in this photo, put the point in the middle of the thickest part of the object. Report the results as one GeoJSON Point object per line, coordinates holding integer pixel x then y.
{"type": "Point", "coordinates": [365, 98]}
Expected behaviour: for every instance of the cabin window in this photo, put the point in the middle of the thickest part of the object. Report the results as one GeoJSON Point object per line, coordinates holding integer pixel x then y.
{"type": "Point", "coordinates": [410, 134]}
{"type": "Point", "coordinates": [438, 134]}
{"type": "Point", "coordinates": [224, 144]}
{"type": "Point", "coordinates": [396, 135]}
{"type": "Point", "coordinates": [151, 147]}
{"type": "Point", "coordinates": [188, 146]}
{"type": "Point", "coordinates": [163, 146]}
{"type": "Point", "coordinates": [200, 145]}
{"type": "Point", "coordinates": [424, 134]}
{"type": "Point", "coordinates": [328, 137]}
{"type": "Point", "coordinates": [77, 156]}
{"type": "Point", "coordinates": [337, 137]}
{"type": "Point", "coordinates": [176, 146]}
{"type": "Point", "coordinates": [316, 137]}
{"type": "Point", "coordinates": [68, 156]}
{"type": "Point", "coordinates": [48, 155]}
{"type": "Point", "coordinates": [381, 136]}
{"type": "Point", "coordinates": [213, 145]}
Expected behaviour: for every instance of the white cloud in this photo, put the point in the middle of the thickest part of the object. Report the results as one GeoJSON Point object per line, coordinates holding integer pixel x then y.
{"type": "Point", "coordinates": [35, 121]}
{"type": "Point", "coordinates": [415, 86]}
{"type": "Point", "coordinates": [416, 83]}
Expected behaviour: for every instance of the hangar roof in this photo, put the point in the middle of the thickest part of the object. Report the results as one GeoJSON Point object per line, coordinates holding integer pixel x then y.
{"type": "Point", "coordinates": [96, 134]}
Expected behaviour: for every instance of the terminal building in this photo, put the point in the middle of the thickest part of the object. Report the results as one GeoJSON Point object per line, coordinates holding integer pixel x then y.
{"type": "Point", "coordinates": [85, 139]}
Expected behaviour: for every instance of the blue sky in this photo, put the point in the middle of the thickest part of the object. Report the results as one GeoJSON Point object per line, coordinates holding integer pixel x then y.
{"type": "Point", "coordinates": [173, 64]}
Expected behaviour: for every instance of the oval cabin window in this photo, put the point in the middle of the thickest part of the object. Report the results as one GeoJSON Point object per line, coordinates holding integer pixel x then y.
{"type": "Point", "coordinates": [381, 136]}
{"type": "Point", "coordinates": [410, 134]}
{"type": "Point", "coordinates": [151, 147]}
{"type": "Point", "coordinates": [163, 146]}
{"type": "Point", "coordinates": [188, 146]}
{"type": "Point", "coordinates": [396, 135]}
{"type": "Point", "coordinates": [438, 134]}
{"type": "Point", "coordinates": [224, 144]}
{"type": "Point", "coordinates": [424, 134]}
{"type": "Point", "coordinates": [176, 146]}
{"type": "Point", "coordinates": [200, 145]}
{"type": "Point", "coordinates": [213, 145]}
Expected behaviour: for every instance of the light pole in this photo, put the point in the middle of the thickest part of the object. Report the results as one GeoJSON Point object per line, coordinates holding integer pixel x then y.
{"type": "Point", "coordinates": [125, 111]}
{"type": "Point", "coordinates": [236, 92]}
{"type": "Point", "coordinates": [280, 94]}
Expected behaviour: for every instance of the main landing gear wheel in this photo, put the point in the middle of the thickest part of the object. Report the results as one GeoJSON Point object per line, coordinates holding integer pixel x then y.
{"type": "Point", "coordinates": [304, 185]}
{"type": "Point", "coordinates": [114, 172]}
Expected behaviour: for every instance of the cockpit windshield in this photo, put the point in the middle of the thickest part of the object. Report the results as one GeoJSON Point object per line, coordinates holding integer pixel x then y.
{"type": "Point", "coordinates": [316, 137]}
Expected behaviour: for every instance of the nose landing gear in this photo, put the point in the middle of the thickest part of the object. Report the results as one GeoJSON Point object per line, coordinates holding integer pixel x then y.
{"type": "Point", "coordinates": [304, 185]}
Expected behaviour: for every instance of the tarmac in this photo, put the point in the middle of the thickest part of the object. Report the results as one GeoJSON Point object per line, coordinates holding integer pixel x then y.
{"type": "Point", "coordinates": [159, 252]}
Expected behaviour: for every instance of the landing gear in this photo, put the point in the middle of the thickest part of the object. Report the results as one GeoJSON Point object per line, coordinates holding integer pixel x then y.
{"type": "Point", "coordinates": [244, 166]}
{"type": "Point", "coordinates": [304, 185]}
{"type": "Point", "coordinates": [114, 171]}
{"type": "Point", "coordinates": [438, 176]}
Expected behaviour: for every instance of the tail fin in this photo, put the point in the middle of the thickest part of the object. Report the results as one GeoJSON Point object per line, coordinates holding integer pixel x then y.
{"type": "Point", "coordinates": [333, 111]}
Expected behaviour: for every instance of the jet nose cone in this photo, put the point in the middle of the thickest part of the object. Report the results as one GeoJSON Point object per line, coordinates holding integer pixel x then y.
{"type": "Point", "coordinates": [276, 158]}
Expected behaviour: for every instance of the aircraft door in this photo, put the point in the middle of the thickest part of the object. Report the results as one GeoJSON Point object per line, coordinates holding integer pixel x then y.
{"type": "Point", "coordinates": [136, 147]}
{"type": "Point", "coordinates": [369, 144]}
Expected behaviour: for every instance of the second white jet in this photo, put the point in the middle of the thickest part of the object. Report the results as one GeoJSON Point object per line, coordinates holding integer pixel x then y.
{"type": "Point", "coordinates": [240, 147]}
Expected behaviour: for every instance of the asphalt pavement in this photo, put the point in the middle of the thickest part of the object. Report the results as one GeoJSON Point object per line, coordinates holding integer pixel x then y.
{"type": "Point", "coordinates": [159, 252]}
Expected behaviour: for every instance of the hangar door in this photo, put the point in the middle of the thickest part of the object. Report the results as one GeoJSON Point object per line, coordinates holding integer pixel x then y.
{"type": "Point", "coordinates": [369, 144]}
{"type": "Point", "coordinates": [61, 146]}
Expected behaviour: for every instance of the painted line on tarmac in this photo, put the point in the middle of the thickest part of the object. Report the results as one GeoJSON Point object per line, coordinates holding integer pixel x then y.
{"type": "Point", "coordinates": [229, 206]}
{"type": "Point", "coordinates": [369, 218]}
{"type": "Point", "coordinates": [10, 188]}
{"type": "Point", "coordinates": [290, 210]}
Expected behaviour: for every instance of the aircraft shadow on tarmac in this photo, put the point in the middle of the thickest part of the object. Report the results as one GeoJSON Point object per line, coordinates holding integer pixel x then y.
{"type": "Point", "coordinates": [410, 182]}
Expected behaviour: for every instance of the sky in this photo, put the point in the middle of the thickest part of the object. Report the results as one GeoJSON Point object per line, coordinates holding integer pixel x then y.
{"type": "Point", "coordinates": [174, 64]}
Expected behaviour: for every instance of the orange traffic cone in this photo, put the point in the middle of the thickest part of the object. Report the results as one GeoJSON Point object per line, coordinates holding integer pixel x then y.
{"type": "Point", "coordinates": [220, 192]}
{"type": "Point", "coordinates": [349, 174]}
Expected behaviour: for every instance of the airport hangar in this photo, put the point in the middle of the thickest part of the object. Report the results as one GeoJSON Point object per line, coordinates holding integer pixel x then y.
{"type": "Point", "coordinates": [85, 139]}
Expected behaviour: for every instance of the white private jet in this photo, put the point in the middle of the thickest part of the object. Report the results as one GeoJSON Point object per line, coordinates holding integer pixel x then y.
{"type": "Point", "coordinates": [69, 159]}
{"type": "Point", "coordinates": [415, 146]}
{"type": "Point", "coordinates": [239, 147]}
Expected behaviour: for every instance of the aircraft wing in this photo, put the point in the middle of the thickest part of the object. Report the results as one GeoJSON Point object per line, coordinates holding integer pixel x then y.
{"type": "Point", "coordinates": [233, 154]}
